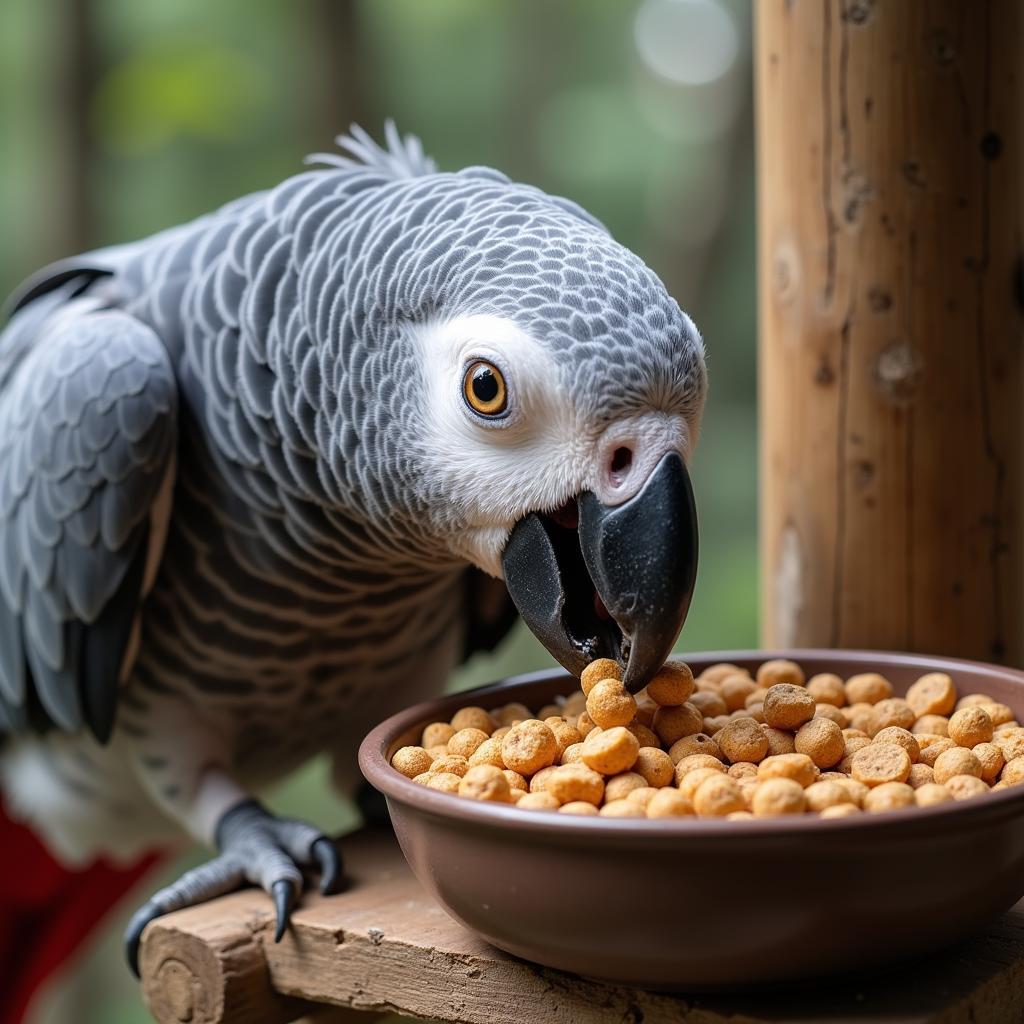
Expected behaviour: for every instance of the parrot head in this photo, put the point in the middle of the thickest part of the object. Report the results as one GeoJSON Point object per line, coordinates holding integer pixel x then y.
{"type": "Point", "coordinates": [531, 396]}
{"type": "Point", "coordinates": [562, 390]}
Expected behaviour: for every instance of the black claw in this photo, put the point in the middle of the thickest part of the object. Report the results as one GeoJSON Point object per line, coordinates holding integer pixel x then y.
{"type": "Point", "coordinates": [284, 900]}
{"type": "Point", "coordinates": [325, 853]}
{"type": "Point", "coordinates": [149, 911]}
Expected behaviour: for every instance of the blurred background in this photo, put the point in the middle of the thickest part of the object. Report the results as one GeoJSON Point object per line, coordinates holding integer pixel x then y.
{"type": "Point", "coordinates": [120, 118]}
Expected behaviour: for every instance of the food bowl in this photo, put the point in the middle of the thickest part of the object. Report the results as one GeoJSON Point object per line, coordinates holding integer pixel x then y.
{"type": "Point", "coordinates": [688, 904]}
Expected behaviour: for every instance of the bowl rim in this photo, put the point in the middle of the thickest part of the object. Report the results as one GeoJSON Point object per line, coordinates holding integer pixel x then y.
{"type": "Point", "coordinates": [376, 769]}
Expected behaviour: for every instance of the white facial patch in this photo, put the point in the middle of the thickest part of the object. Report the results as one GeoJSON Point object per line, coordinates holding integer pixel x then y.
{"type": "Point", "coordinates": [543, 451]}
{"type": "Point", "coordinates": [498, 470]}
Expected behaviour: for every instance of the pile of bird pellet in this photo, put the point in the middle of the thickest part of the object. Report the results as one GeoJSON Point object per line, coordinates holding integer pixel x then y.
{"type": "Point", "coordinates": [727, 745]}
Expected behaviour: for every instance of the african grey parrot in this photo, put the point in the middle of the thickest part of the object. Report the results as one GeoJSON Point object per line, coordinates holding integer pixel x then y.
{"type": "Point", "coordinates": [255, 470]}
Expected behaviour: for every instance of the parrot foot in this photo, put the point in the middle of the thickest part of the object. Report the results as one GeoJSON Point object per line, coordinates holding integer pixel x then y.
{"type": "Point", "coordinates": [255, 847]}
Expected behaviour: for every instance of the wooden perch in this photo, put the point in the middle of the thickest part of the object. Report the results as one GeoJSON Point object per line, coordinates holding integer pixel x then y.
{"type": "Point", "coordinates": [385, 946]}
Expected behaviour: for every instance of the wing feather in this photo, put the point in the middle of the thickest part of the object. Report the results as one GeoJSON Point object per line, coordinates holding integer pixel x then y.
{"type": "Point", "coordinates": [88, 430]}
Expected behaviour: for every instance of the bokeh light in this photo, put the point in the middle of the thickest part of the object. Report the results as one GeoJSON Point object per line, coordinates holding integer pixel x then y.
{"type": "Point", "coordinates": [689, 42]}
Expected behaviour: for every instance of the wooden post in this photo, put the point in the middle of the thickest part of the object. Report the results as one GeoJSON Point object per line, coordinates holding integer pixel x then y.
{"type": "Point", "coordinates": [891, 287]}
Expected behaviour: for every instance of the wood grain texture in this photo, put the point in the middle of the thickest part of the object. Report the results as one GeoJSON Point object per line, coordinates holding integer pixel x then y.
{"type": "Point", "coordinates": [890, 230]}
{"type": "Point", "coordinates": [213, 970]}
{"type": "Point", "coordinates": [384, 946]}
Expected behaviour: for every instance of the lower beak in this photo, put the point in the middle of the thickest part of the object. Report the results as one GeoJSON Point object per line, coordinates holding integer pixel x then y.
{"type": "Point", "coordinates": [617, 586]}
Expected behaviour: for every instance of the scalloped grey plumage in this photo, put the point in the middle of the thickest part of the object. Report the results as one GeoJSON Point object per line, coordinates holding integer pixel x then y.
{"type": "Point", "coordinates": [87, 429]}
{"type": "Point", "coordinates": [277, 324]}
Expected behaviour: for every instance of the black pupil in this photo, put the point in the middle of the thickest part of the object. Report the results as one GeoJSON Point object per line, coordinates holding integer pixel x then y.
{"type": "Point", "coordinates": [485, 385]}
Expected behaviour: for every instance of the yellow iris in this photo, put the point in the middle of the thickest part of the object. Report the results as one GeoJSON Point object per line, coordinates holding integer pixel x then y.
{"type": "Point", "coordinates": [484, 388]}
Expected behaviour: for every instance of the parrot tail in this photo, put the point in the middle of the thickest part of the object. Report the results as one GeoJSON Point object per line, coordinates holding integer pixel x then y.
{"type": "Point", "coordinates": [47, 911]}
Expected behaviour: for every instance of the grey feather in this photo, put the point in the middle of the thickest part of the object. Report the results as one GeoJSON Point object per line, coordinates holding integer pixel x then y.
{"type": "Point", "coordinates": [104, 642]}
{"type": "Point", "coordinates": [400, 158]}
{"type": "Point", "coordinates": [12, 660]}
{"type": "Point", "coordinates": [88, 421]}
{"type": "Point", "coordinates": [76, 272]}
{"type": "Point", "coordinates": [53, 678]}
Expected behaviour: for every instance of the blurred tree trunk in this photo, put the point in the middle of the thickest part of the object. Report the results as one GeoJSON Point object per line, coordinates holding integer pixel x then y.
{"type": "Point", "coordinates": [338, 80]}
{"type": "Point", "coordinates": [540, 33]}
{"type": "Point", "coordinates": [76, 72]}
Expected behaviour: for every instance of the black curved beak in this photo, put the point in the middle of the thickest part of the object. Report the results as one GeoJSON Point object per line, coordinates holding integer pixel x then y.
{"type": "Point", "coordinates": [618, 583]}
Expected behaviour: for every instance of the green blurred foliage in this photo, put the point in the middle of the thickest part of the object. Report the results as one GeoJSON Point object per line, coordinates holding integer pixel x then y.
{"type": "Point", "coordinates": [195, 103]}
{"type": "Point", "coordinates": [182, 89]}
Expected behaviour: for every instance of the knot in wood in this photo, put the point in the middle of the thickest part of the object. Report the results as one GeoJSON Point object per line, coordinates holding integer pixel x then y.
{"type": "Point", "coordinates": [857, 191]}
{"type": "Point", "coordinates": [824, 375]}
{"type": "Point", "coordinates": [898, 371]}
{"type": "Point", "coordinates": [859, 12]}
{"type": "Point", "coordinates": [879, 300]}
{"type": "Point", "coordinates": [941, 47]}
{"type": "Point", "coordinates": [785, 273]}
{"type": "Point", "coordinates": [863, 474]}
{"type": "Point", "coordinates": [991, 146]}
{"type": "Point", "coordinates": [178, 985]}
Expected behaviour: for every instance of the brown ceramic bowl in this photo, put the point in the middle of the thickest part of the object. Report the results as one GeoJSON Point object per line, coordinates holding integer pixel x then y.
{"type": "Point", "coordinates": [703, 904]}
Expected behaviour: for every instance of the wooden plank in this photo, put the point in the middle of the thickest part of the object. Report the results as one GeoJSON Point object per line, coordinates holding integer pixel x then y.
{"type": "Point", "coordinates": [385, 946]}
{"type": "Point", "coordinates": [208, 965]}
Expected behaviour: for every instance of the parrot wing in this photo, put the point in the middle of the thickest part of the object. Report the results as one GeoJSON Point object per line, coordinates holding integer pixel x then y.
{"type": "Point", "coordinates": [88, 432]}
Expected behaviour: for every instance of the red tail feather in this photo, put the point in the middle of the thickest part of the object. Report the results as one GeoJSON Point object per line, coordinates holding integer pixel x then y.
{"type": "Point", "coordinates": [47, 911]}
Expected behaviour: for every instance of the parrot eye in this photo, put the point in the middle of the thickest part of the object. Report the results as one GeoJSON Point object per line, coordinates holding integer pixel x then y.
{"type": "Point", "coordinates": [484, 389]}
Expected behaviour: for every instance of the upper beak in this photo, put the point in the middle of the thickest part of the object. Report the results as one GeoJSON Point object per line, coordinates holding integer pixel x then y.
{"type": "Point", "coordinates": [619, 586]}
